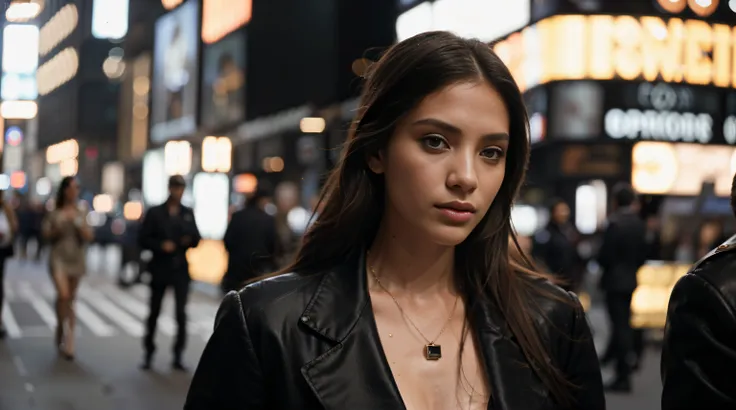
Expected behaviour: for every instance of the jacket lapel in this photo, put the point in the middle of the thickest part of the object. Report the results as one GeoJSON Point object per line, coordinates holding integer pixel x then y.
{"type": "Point", "coordinates": [514, 385]}
{"type": "Point", "coordinates": [354, 372]}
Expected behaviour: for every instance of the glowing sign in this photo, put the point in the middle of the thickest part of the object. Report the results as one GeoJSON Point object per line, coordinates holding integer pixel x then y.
{"type": "Point", "coordinates": [663, 125]}
{"type": "Point", "coordinates": [603, 47]}
{"type": "Point", "coordinates": [13, 136]}
{"type": "Point", "coordinates": [702, 8]}
{"type": "Point", "coordinates": [216, 154]}
{"type": "Point", "coordinates": [58, 71]}
{"type": "Point", "coordinates": [681, 169]}
{"type": "Point", "coordinates": [221, 17]}
{"type": "Point", "coordinates": [58, 28]}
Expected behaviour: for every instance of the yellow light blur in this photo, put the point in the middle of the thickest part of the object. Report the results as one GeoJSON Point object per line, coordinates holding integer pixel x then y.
{"type": "Point", "coordinates": [170, 4]}
{"type": "Point", "coordinates": [312, 125]}
{"type": "Point", "coordinates": [703, 8]}
{"type": "Point", "coordinates": [19, 12]}
{"type": "Point", "coordinates": [69, 167]}
{"type": "Point", "coordinates": [20, 110]}
{"type": "Point", "coordinates": [177, 157]}
{"type": "Point", "coordinates": [651, 297]}
{"type": "Point", "coordinates": [657, 166]}
{"type": "Point", "coordinates": [62, 151]}
{"type": "Point", "coordinates": [141, 85]}
{"type": "Point", "coordinates": [57, 71]}
{"type": "Point", "coordinates": [273, 164]}
{"type": "Point", "coordinates": [133, 210]}
{"type": "Point", "coordinates": [208, 261]}
{"type": "Point", "coordinates": [673, 6]}
{"type": "Point", "coordinates": [608, 47]}
{"type": "Point", "coordinates": [245, 183]}
{"type": "Point", "coordinates": [58, 28]}
{"type": "Point", "coordinates": [216, 154]}
{"type": "Point", "coordinates": [221, 17]}
{"type": "Point", "coordinates": [103, 203]}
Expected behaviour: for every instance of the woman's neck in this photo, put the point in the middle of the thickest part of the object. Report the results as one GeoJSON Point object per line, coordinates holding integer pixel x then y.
{"type": "Point", "coordinates": [408, 265]}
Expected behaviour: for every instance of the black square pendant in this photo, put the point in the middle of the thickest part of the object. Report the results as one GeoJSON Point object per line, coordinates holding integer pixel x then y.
{"type": "Point", "coordinates": [432, 352]}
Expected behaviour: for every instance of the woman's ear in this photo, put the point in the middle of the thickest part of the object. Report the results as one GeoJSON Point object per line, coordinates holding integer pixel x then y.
{"type": "Point", "coordinates": [376, 162]}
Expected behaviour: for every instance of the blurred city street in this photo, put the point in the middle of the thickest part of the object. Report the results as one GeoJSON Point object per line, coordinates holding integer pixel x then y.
{"type": "Point", "coordinates": [105, 374]}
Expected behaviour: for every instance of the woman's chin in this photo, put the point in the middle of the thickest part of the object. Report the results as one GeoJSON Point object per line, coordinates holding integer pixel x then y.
{"type": "Point", "coordinates": [449, 235]}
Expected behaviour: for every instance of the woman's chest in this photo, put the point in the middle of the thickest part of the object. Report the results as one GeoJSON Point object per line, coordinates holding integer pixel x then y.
{"type": "Point", "coordinates": [453, 378]}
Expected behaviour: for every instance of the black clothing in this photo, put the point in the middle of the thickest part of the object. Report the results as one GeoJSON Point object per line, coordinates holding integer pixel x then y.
{"type": "Point", "coordinates": [251, 243]}
{"type": "Point", "coordinates": [181, 295]}
{"type": "Point", "coordinates": [310, 342]}
{"type": "Point", "coordinates": [168, 269]}
{"type": "Point", "coordinates": [555, 247]}
{"type": "Point", "coordinates": [699, 354]}
{"type": "Point", "coordinates": [623, 252]}
{"type": "Point", "coordinates": [160, 226]}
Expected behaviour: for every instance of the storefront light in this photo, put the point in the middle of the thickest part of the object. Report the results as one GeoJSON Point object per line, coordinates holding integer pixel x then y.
{"type": "Point", "coordinates": [20, 110]}
{"type": "Point", "coordinates": [68, 167]}
{"type": "Point", "coordinates": [133, 210]}
{"type": "Point", "coordinates": [216, 154]}
{"type": "Point", "coordinates": [19, 12]}
{"type": "Point", "coordinates": [62, 151]}
{"type": "Point", "coordinates": [57, 71]}
{"type": "Point", "coordinates": [312, 125]}
{"type": "Point", "coordinates": [603, 47]}
{"type": "Point", "coordinates": [177, 157]}
{"type": "Point", "coordinates": [103, 203]}
{"type": "Point", "coordinates": [58, 28]}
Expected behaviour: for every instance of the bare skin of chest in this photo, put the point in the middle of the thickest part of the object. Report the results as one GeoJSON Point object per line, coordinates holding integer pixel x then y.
{"type": "Point", "coordinates": [430, 384]}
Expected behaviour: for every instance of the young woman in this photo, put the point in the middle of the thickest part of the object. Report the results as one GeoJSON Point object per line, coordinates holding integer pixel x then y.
{"type": "Point", "coordinates": [8, 229]}
{"type": "Point", "coordinates": [67, 231]}
{"type": "Point", "coordinates": [403, 295]}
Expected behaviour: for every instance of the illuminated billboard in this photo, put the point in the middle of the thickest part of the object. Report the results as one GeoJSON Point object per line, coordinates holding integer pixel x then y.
{"type": "Point", "coordinates": [663, 168]}
{"type": "Point", "coordinates": [221, 17]}
{"type": "Point", "coordinates": [223, 82]}
{"type": "Point", "coordinates": [605, 47]}
{"type": "Point", "coordinates": [175, 89]}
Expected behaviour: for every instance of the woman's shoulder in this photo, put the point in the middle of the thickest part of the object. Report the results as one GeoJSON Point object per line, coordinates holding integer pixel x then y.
{"type": "Point", "coordinates": [276, 298]}
{"type": "Point", "coordinates": [557, 308]}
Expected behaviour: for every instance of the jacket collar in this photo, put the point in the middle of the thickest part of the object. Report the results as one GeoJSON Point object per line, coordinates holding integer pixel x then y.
{"type": "Point", "coordinates": [340, 311]}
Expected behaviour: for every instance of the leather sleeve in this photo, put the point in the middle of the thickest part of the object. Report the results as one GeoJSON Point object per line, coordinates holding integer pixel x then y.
{"type": "Point", "coordinates": [581, 366]}
{"type": "Point", "coordinates": [228, 375]}
{"type": "Point", "coordinates": [699, 353]}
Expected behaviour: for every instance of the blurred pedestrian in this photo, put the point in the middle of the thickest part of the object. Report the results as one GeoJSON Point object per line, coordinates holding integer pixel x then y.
{"type": "Point", "coordinates": [555, 246]}
{"type": "Point", "coordinates": [251, 241]}
{"type": "Point", "coordinates": [622, 253]}
{"type": "Point", "coordinates": [8, 230]}
{"type": "Point", "coordinates": [168, 231]}
{"type": "Point", "coordinates": [68, 233]}
{"type": "Point", "coordinates": [699, 353]}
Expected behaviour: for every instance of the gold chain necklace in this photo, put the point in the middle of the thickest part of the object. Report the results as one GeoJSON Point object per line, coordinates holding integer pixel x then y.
{"type": "Point", "coordinates": [432, 351]}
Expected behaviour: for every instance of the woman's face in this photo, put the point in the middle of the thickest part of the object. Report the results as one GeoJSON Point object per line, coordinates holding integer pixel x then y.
{"type": "Point", "coordinates": [72, 191]}
{"type": "Point", "coordinates": [445, 163]}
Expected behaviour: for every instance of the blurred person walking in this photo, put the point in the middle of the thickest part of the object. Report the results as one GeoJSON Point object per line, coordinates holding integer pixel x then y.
{"type": "Point", "coordinates": [622, 253]}
{"type": "Point", "coordinates": [67, 231]}
{"type": "Point", "coordinates": [699, 355]}
{"type": "Point", "coordinates": [168, 231]}
{"type": "Point", "coordinates": [555, 246]}
{"type": "Point", "coordinates": [251, 241]}
{"type": "Point", "coordinates": [8, 230]}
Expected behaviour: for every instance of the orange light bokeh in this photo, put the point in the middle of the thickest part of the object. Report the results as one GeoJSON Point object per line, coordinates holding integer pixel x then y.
{"type": "Point", "coordinates": [221, 17]}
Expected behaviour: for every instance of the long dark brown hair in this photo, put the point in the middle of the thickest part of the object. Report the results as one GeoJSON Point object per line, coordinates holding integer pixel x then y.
{"type": "Point", "coordinates": [353, 196]}
{"type": "Point", "coordinates": [61, 193]}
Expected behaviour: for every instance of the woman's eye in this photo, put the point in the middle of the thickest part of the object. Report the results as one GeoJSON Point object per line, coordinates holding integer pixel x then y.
{"type": "Point", "coordinates": [492, 153]}
{"type": "Point", "coordinates": [434, 142]}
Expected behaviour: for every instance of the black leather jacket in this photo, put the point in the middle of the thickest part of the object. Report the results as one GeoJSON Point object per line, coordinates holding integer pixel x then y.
{"type": "Point", "coordinates": [699, 354]}
{"type": "Point", "coordinates": [310, 342]}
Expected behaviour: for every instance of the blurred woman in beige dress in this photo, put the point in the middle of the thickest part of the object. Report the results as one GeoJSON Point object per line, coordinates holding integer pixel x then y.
{"type": "Point", "coordinates": [66, 230]}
